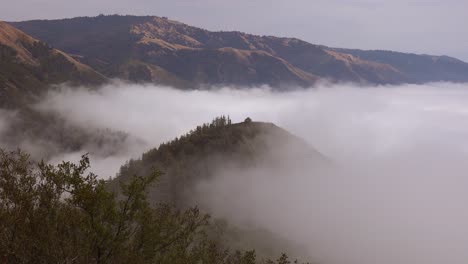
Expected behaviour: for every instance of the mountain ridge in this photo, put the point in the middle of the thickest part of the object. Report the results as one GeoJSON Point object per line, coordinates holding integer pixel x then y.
{"type": "Point", "coordinates": [160, 50]}
{"type": "Point", "coordinates": [417, 66]}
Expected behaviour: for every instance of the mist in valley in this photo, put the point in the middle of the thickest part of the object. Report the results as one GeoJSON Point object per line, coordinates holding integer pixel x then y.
{"type": "Point", "coordinates": [396, 191]}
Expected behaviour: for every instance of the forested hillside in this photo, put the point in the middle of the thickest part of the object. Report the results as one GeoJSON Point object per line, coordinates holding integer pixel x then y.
{"type": "Point", "coordinates": [199, 154]}
{"type": "Point", "coordinates": [210, 150]}
{"type": "Point", "coordinates": [64, 214]}
{"type": "Point", "coordinates": [148, 214]}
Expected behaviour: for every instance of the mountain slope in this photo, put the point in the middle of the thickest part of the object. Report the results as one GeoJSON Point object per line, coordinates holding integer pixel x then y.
{"type": "Point", "coordinates": [185, 54]}
{"type": "Point", "coordinates": [212, 150]}
{"type": "Point", "coordinates": [199, 155]}
{"type": "Point", "coordinates": [28, 66]}
{"type": "Point", "coordinates": [114, 44]}
{"type": "Point", "coordinates": [310, 58]}
{"type": "Point", "coordinates": [417, 68]}
{"type": "Point", "coordinates": [159, 50]}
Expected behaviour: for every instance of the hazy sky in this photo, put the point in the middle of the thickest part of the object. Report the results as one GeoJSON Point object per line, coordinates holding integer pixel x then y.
{"type": "Point", "coordinates": [420, 26]}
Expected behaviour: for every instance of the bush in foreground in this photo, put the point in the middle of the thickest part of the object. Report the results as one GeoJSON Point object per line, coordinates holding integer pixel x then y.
{"type": "Point", "coordinates": [64, 214]}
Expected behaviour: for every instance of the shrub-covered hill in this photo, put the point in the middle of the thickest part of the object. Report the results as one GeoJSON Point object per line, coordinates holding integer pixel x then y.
{"type": "Point", "coordinates": [213, 149]}
{"type": "Point", "coordinates": [209, 148]}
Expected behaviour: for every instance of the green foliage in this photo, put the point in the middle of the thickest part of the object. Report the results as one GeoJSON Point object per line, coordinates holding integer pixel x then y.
{"type": "Point", "coordinates": [63, 214]}
{"type": "Point", "coordinates": [191, 157]}
{"type": "Point", "coordinates": [204, 153]}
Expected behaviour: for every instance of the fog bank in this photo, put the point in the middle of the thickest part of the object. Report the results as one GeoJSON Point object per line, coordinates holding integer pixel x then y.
{"type": "Point", "coordinates": [398, 194]}
{"type": "Point", "coordinates": [341, 121]}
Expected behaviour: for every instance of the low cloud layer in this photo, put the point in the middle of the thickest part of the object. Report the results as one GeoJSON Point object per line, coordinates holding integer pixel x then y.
{"type": "Point", "coordinates": [398, 194]}
{"type": "Point", "coordinates": [341, 121]}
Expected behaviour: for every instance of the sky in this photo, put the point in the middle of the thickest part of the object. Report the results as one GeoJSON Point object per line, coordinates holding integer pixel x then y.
{"type": "Point", "coordinates": [418, 26]}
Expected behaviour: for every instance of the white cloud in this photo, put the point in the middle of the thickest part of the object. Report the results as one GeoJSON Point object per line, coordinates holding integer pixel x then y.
{"type": "Point", "coordinates": [399, 195]}
{"type": "Point", "coordinates": [338, 120]}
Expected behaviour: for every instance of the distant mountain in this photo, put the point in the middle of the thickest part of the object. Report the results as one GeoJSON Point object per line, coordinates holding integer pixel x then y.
{"type": "Point", "coordinates": [152, 49]}
{"type": "Point", "coordinates": [159, 50]}
{"type": "Point", "coordinates": [28, 65]}
{"type": "Point", "coordinates": [416, 68]}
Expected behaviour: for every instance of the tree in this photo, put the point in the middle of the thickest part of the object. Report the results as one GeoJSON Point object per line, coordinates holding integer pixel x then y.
{"type": "Point", "coordinates": [60, 214]}
{"type": "Point", "coordinates": [63, 214]}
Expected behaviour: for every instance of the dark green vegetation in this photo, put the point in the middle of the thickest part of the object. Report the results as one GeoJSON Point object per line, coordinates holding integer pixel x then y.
{"type": "Point", "coordinates": [68, 216]}
{"type": "Point", "coordinates": [63, 214]}
{"type": "Point", "coordinates": [214, 147]}
{"type": "Point", "coordinates": [159, 50]}
{"type": "Point", "coordinates": [217, 148]}
{"type": "Point", "coordinates": [29, 66]}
